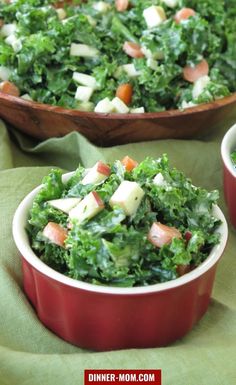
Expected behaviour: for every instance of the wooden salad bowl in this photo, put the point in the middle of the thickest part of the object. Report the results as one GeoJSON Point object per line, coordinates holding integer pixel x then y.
{"type": "Point", "coordinates": [43, 121]}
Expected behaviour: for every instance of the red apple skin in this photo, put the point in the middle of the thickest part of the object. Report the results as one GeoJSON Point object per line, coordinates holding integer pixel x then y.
{"type": "Point", "coordinates": [55, 233]}
{"type": "Point", "coordinates": [103, 168]}
{"type": "Point", "coordinates": [160, 235]}
{"type": "Point", "coordinates": [97, 199]}
{"type": "Point", "coordinates": [188, 236]}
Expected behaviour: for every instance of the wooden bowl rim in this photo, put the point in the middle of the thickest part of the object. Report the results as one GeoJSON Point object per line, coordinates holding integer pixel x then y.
{"type": "Point", "coordinates": [130, 116]}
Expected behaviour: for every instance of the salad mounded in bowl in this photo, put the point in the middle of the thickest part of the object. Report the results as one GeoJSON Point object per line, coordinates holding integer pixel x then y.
{"type": "Point", "coordinates": [118, 56]}
{"type": "Point", "coordinates": [123, 224]}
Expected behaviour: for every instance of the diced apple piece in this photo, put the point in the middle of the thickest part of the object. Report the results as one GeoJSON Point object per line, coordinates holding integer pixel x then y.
{"type": "Point", "coordinates": [83, 93]}
{"type": "Point", "coordinates": [8, 29]}
{"type": "Point", "coordinates": [199, 86]}
{"type": "Point", "coordinates": [64, 204]}
{"type": "Point", "coordinates": [193, 73]}
{"type": "Point", "coordinates": [85, 106]}
{"type": "Point", "coordinates": [185, 104]}
{"type": "Point", "coordinates": [157, 55]}
{"type": "Point", "coordinates": [98, 173]}
{"type": "Point", "coordinates": [61, 13]}
{"type": "Point", "coordinates": [101, 6]}
{"type": "Point", "coordinates": [171, 3]}
{"type": "Point", "coordinates": [160, 235]}
{"type": "Point", "coordinates": [83, 50]}
{"type": "Point", "coordinates": [147, 52]}
{"type": "Point", "coordinates": [121, 5]}
{"type": "Point", "coordinates": [4, 73]}
{"type": "Point", "coordinates": [137, 110]}
{"type": "Point", "coordinates": [104, 106]}
{"type": "Point", "coordinates": [85, 80]}
{"type": "Point", "coordinates": [184, 14]}
{"type": "Point", "coordinates": [90, 206]}
{"type": "Point", "coordinates": [55, 233]}
{"type": "Point", "coordinates": [159, 180]}
{"type": "Point", "coordinates": [91, 20]}
{"type": "Point", "coordinates": [26, 97]}
{"type": "Point", "coordinates": [130, 70]}
{"type": "Point", "coordinates": [119, 106]}
{"type": "Point", "coordinates": [14, 42]}
{"type": "Point", "coordinates": [152, 63]}
{"type": "Point", "coordinates": [133, 49]}
{"type": "Point", "coordinates": [128, 196]}
{"type": "Point", "coordinates": [154, 16]}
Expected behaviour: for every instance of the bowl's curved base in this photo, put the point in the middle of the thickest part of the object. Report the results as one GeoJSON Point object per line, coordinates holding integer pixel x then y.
{"type": "Point", "coordinates": [44, 121]}
{"type": "Point", "coordinates": [102, 322]}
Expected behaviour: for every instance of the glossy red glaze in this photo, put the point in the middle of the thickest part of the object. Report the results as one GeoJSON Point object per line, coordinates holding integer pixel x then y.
{"type": "Point", "coordinates": [102, 321]}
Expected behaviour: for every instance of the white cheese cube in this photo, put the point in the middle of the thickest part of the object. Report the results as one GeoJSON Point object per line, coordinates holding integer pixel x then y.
{"type": "Point", "coordinates": [104, 106]}
{"type": "Point", "coordinates": [199, 86]}
{"type": "Point", "coordinates": [119, 106]}
{"type": "Point", "coordinates": [85, 80]}
{"type": "Point", "coordinates": [138, 110]}
{"type": "Point", "coordinates": [83, 94]}
{"type": "Point", "coordinates": [101, 6]}
{"type": "Point", "coordinates": [83, 50]}
{"type": "Point", "coordinates": [171, 3]}
{"type": "Point", "coordinates": [154, 16]}
{"type": "Point", "coordinates": [90, 206]}
{"type": "Point", "coordinates": [4, 73]}
{"type": "Point", "coordinates": [128, 196]}
{"type": "Point", "coordinates": [97, 174]}
{"type": "Point", "coordinates": [64, 204]}
{"type": "Point", "coordinates": [8, 29]}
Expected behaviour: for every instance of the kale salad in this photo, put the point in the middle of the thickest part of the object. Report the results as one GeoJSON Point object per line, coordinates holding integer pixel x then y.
{"type": "Point", "coordinates": [123, 224]}
{"type": "Point", "coordinates": [118, 55]}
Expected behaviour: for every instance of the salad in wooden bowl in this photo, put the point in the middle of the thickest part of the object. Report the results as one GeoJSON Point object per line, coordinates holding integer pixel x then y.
{"type": "Point", "coordinates": [117, 71]}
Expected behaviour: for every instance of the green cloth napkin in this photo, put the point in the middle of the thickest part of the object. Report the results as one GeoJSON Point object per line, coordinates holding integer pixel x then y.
{"type": "Point", "coordinates": [32, 355]}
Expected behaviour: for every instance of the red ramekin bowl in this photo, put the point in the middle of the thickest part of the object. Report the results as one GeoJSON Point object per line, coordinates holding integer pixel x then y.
{"type": "Point", "coordinates": [107, 318]}
{"type": "Point", "coordinates": [229, 172]}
